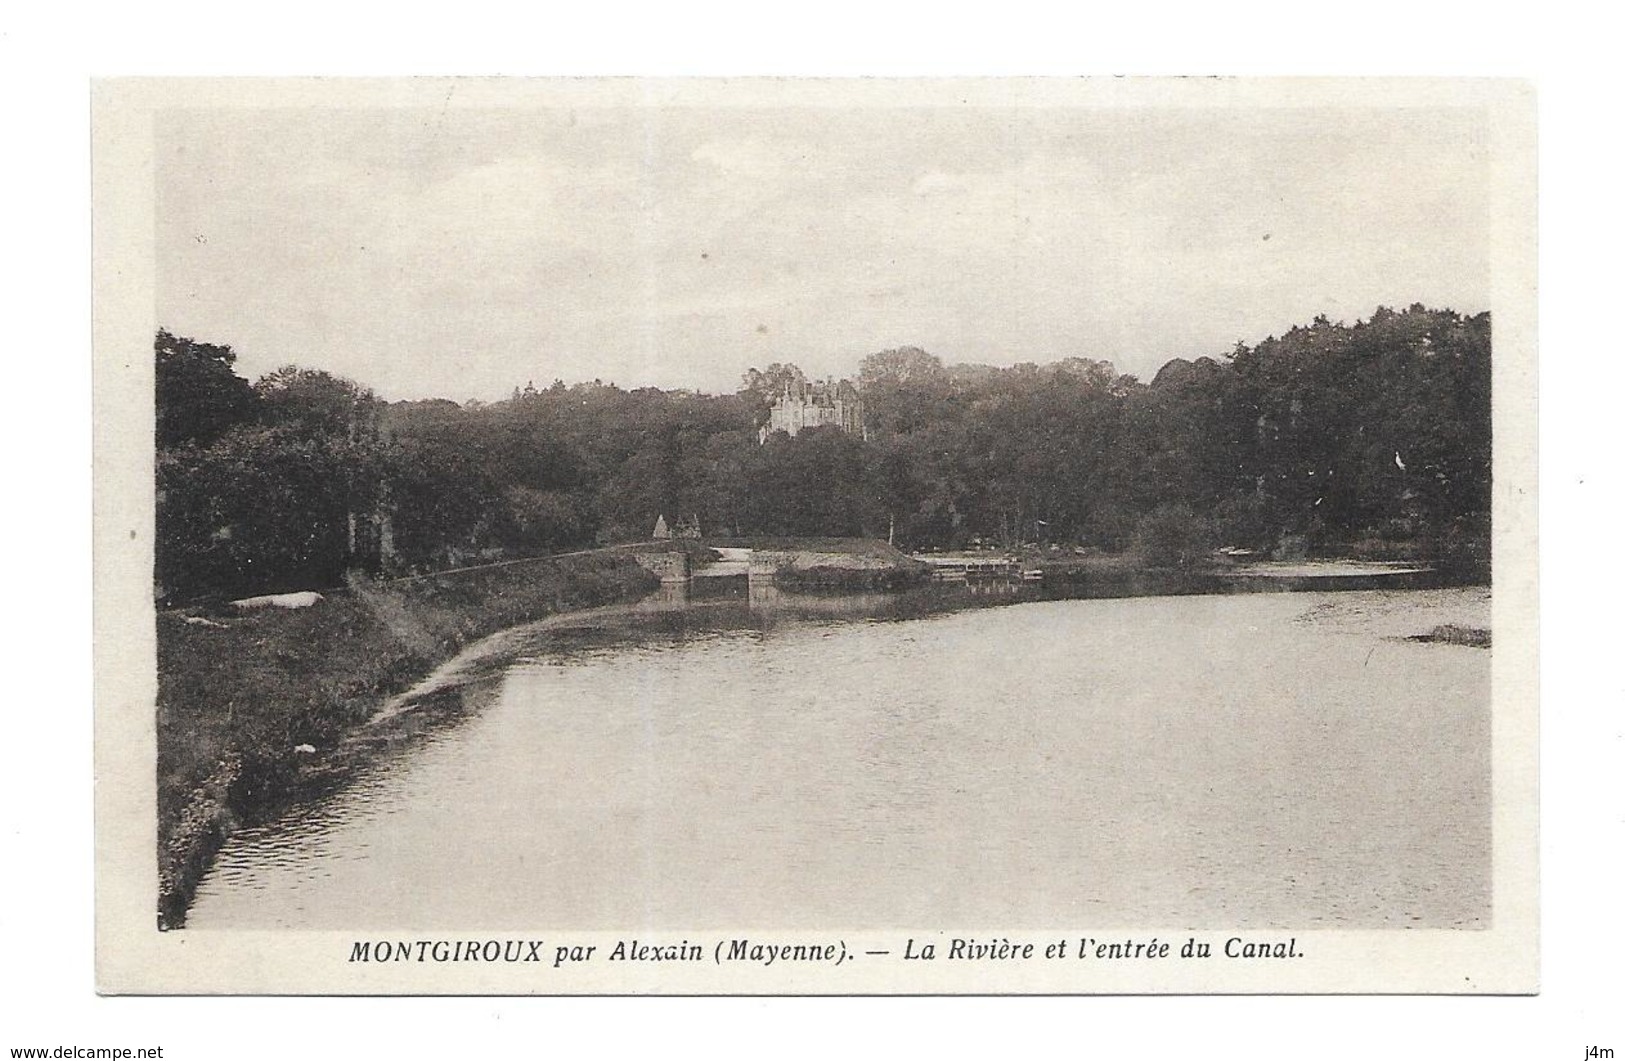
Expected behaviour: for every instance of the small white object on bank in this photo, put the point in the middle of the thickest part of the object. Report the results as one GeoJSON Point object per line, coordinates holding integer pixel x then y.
{"type": "Point", "coordinates": [279, 600]}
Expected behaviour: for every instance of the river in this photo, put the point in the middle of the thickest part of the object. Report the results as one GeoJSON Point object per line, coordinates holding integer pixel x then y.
{"type": "Point", "coordinates": [738, 760]}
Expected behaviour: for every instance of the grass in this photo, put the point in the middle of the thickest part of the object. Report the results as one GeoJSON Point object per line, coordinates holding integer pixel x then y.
{"type": "Point", "coordinates": [253, 708]}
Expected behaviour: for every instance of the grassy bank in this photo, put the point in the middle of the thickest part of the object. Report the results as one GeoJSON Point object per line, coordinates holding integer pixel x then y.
{"type": "Point", "coordinates": [253, 708]}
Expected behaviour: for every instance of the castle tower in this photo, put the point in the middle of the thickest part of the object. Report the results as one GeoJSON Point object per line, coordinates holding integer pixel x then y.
{"type": "Point", "coordinates": [826, 403]}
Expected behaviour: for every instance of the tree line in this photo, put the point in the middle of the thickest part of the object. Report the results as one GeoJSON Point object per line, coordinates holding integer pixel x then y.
{"type": "Point", "coordinates": [1366, 438]}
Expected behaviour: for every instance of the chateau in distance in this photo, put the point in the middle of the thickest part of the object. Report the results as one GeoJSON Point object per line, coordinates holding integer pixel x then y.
{"type": "Point", "coordinates": [802, 404]}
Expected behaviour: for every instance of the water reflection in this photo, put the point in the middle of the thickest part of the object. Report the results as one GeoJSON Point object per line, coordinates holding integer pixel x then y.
{"type": "Point", "coordinates": [763, 602]}
{"type": "Point", "coordinates": [670, 595]}
{"type": "Point", "coordinates": [764, 594]}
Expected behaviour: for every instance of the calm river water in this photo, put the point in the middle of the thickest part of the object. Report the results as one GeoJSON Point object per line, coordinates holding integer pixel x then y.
{"type": "Point", "coordinates": [1249, 760]}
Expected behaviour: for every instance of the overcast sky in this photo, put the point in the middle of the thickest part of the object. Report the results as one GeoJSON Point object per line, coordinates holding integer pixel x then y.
{"type": "Point", "coordinates": [444, 252]}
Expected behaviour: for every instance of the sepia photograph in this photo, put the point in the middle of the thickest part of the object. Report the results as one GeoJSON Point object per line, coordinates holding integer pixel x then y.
{"type": "Point", "coordinates": [773, 536]}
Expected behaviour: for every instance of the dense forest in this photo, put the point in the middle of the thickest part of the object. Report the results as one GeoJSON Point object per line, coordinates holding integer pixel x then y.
{"type": "Point", "coordinates": [1334, 439]}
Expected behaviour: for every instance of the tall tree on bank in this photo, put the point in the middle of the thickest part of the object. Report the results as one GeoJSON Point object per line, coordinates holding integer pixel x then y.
{"type": "Point", "coordinates": [286, 496]}
{"type": "Point", "coordinates": [199, 395]}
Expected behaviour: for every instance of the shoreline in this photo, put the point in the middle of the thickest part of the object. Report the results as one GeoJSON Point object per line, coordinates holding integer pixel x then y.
{"type": "Point", "coordinates": [261, 711]}
{"type": "Point", "coordinates": [258, 712]}
{"type": "Point", "coordinates": [491, 725]}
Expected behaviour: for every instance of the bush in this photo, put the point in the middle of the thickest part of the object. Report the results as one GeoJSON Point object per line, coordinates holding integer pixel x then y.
{"type": "Point", "coordinates": [259, 510]}
{"type": "Point", "coordinates": [1241, 521]}
{"type": "Point", "coordinates": [1174, 536]}
{"type": "Point", "coordinates": [1110, 526]}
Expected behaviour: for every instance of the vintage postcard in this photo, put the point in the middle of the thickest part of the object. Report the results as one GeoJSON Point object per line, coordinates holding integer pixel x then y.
{"type": "Point", "coordinates": [815, 537]}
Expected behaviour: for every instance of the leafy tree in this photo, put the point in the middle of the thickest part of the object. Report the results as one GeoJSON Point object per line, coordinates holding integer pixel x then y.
{"type": "Point", "coordinates": [812, 484]}
{"type": "Point", "coordinates": [261, 509]}
{"type": "Point", "coordinates": [287, 499]}
{"type": "Point", "coordinates": [199, 396]}
{"type": "Point", "coordinates": [317, 403]}
{"type": "Point", "coordinates": [904, 366]}
{"type": "Point", "coordinates": [904, 390]}
{"type": "Point", "coordinates": [441, 487]}
{"type": "Point", "coordinates": [1372, 435]}
{"type": "Point", "coordinates": [760, 388]}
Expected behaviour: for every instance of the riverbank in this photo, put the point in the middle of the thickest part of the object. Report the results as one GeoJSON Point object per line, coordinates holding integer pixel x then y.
{"type": "Point", "coordinates": [880, 742]}
{"type": "Point", "coordinates": [254, 707]}
{"type": "Point", "coordinates": [1127, 574]}
{"type": "Point", "coordinates": [261, 710]}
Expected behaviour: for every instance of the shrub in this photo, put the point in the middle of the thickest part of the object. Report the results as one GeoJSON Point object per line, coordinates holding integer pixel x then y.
{"type": "Point", "coordinates": [1173, 536]}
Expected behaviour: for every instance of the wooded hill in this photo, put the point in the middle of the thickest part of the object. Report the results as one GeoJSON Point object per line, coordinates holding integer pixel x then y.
{"type": "Point", "coordinates": [1371, 438]}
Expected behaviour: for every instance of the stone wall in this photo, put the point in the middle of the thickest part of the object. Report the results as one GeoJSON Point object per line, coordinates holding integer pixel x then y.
{"type": "Point", "coordinates": [669, 566]}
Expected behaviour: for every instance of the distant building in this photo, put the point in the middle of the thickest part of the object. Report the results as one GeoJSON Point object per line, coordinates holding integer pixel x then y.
{"type": "Point", "coordinates": [820, 404]}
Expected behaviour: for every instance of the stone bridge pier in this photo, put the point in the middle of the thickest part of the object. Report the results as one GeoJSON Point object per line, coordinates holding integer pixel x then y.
{"type": "Point", "coordinates": [767, 564]}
